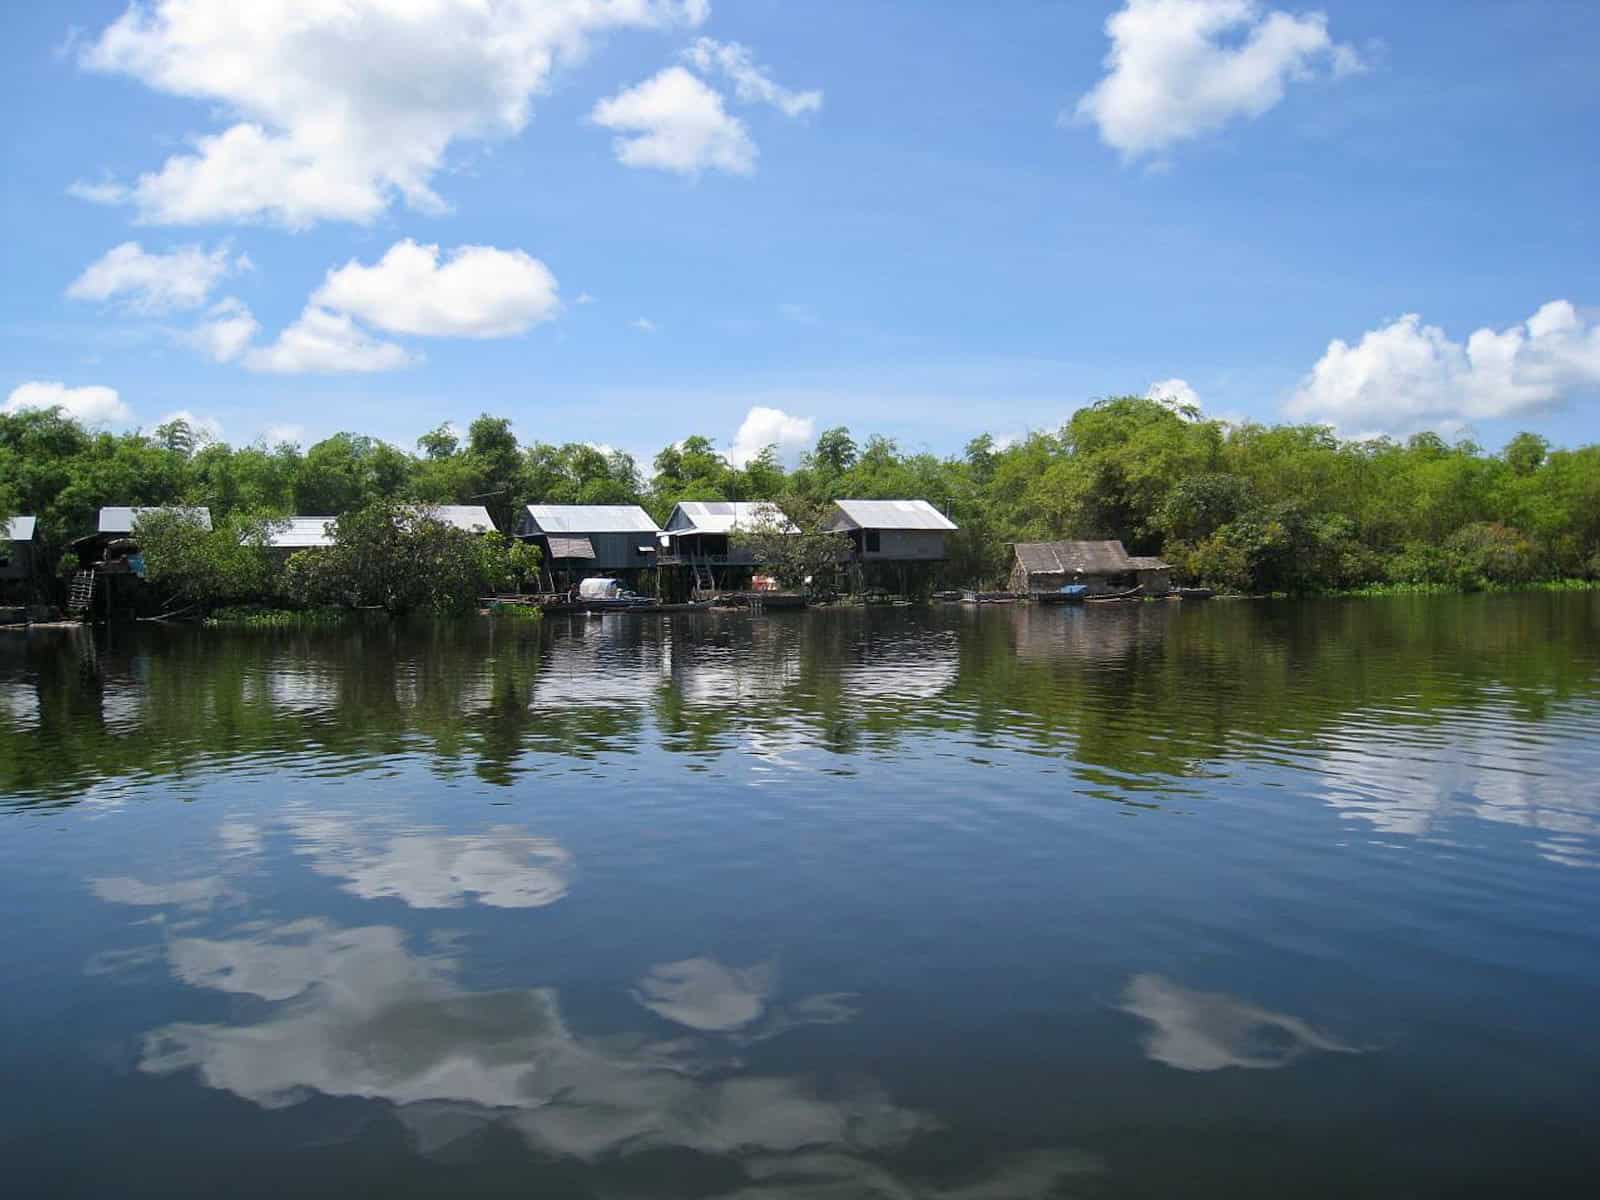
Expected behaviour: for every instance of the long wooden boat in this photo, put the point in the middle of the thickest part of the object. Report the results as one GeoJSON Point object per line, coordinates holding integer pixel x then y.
{"type": "Point", "coordinates": [1072, 593]}
{"type": "Point", "coordinates": [1133, 593]}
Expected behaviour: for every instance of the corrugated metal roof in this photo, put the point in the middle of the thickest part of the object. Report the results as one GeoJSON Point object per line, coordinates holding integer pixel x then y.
{"type": "Point", "coordinates": [120, 520]}
{"type": "Point", "coordinates": [891, 514]}
{"type": "Point", "coordinates": [20, 529]}
{"type": "Point", "coordinates": [723, 516]}
{"type": "Point", "coordinates": [1074, 558]}
{"type": "Point", "coordinates": [473, 518]}
{"type": "Point", "coordinates": [563, 546]}
{"type": "Point", "coordinates": [1148, 563]}
{"type": "Point", "coordinates": [591, 518]}
{"type": "Point", "coordinates": [301, 533]}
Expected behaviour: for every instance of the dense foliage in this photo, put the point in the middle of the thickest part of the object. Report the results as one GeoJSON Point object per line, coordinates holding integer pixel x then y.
{"type": "Point", "coordinates": [399, 558]}
{"type": "Point", "coordinates": [1250, 507]}
{"type": "Point", "coordinates": [793, 545]}
{"type": "Point", "coordinates": [206, 565]}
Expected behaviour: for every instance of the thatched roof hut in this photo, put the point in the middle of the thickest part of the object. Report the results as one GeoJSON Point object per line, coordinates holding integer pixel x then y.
{"type": "Point", "coordinates": [1101, 566]}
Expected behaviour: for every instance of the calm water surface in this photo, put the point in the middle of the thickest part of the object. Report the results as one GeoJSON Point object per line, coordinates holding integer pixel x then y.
{"type": "Point", "coordinates": [1220, 900]}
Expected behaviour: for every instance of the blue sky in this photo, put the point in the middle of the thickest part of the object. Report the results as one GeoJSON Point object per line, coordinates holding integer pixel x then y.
{"type": "Point", "coordinates": [903, 217]}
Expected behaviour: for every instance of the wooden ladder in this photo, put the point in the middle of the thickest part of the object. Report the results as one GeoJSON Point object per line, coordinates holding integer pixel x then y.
{"type": "Point", "coordinates": [81, 597]}
{"type": "Point", "coordinates": [703, 585]}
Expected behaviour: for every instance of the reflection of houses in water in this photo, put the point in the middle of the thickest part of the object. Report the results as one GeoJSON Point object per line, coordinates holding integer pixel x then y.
{"type": "Point", "coordinates": [1487, 765]}
{"type": "Point", "coordinates": [910, 668]}
{"type": "Point", "coordinates": [294, 685]}
{"type": "Point", "coordinates": [1100, 634]}
{"type": "Point", "coordinates": [1207, 1031]}
{"type": "Point", "coordinates": [602, 662]}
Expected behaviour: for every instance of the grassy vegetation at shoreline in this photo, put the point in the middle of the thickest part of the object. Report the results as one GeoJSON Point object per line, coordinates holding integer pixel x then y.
{"type": "Point", "coordinates": [258, 617]}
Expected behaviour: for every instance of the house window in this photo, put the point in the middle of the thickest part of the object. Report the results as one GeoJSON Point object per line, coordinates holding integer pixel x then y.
{"type": "Point", "coordinates": [872, 541]}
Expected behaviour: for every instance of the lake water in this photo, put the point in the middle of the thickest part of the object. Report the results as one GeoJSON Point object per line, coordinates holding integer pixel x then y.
{"type": "Point", "coordinates": [1227, 899]}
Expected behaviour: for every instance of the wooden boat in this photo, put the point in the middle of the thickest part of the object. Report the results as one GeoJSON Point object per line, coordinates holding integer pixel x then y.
{"type": "Point", "coordinates": [1133, 593]}
{"type": "Point", "coordinates": [1194, 593]}
{"type": "Point", "coordinates": [988, 597]}
{"type": "Point", "coordinates": [1071, 593]}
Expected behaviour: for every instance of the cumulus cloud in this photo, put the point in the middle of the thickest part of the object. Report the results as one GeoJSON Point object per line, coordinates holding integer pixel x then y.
{"type": "Point", "coordinates": [335, 110]}
{"type": "Point", "coordinates": [752, 84]}
{"type": "Point", "coordinates": [1179, 69]}
{"type": "Point", "coordinates": [674, 122]}
{"type": "Point", "coordinates": [284, 434]}
{"type": "Point", "coordinates": [329, 343]}
{"type": "Point", "coordinates": [1408, 376]}
{"type": "Point", "coordinates": [227, 330]}
{"type": "Point", "coordinates": [478, 292]}
{"type": "Point", "coordinates": [92, 405]}
{"type": "Point", "coordinates": [1175, 392]}
{"type": "Point", "coordinates": [154, 283]}
{"type": "Point", "coordinates": [763, 427]}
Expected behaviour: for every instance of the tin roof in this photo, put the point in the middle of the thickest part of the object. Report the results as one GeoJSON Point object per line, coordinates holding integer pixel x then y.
{"type": "Point", "coordinates": [472, 518]}
{"type": "Point", "coordinates": [1148, 563]}
{"type": "Point", "coordinates": [300, 533]}
{"type": "Point", "coordinates": [19, 529]}
{"type": "Point", "coordinates": [590, 518]}
{"type": "Point", "coordinates": [120, 519]}
{"type": "Point", "coordinates": [723, 516]}
{"type": "Point", "coordinates": [890, 514]}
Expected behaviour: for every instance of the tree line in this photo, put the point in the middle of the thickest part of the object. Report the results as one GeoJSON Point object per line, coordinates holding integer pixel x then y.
{"type": "Point", "coordinates": [1247, 507]}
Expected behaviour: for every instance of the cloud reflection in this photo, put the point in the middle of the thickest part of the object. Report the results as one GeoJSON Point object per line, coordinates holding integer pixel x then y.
{"type": "Point", "coordinates": [501, 868]}
{"type": "Point", "coordinates": [1209, 1031]}
{"type": "Point", "coordinates": [357, 1014]}
{"type": "Point", "coordinates": [184, 893]}
{"type": "Point", "coordinates": [704, 995]}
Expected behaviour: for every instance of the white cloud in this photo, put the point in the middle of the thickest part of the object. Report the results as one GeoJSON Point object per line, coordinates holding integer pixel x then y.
{"type": "Point", "coordinates": [1408, 376]}
{"type": "Point", "coordinates": [277, 435]}
{"type": "Point", "coordinates": [479, 291]}
{"type": "Point", "coordinates": [327, 342]}
{"type": "Point", "coordinates": [338, 108]}
{"type": "Point", "coordinates": [205, 429]}
{"type": "Point", "coordinates": [226, 333]}
{"type": "Point", "coordinates": [93, 405]}
{"type": "Point", "coordinates": [1182, 68]}
{"type": "Point", "coordinates": [585, 298]}
{"type": "Point", "coordinates": [643, 324]}
{"type": "Point", "coordinates": [752, 84]}
{"type": "Point", "coordinates": [674, 122]}
{"type": "Point", "coordinates": [154, 283]}
{"type": "Point", "coordinates": [763, 427]}
{"type": "Point", "coordinates": [1175, 392]}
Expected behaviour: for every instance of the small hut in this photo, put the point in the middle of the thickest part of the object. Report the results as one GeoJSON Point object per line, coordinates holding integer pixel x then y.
{"type": "Point", "coordinates": [20, 552]}
{"type": "Point", "coordinates": [22, 563]}
{"type": "Point", "coordinates": [579, 540]}
{"type": "Point", "coordinates": [892, 530]}
{"type": "Point", "coordinates": [1100, 566]}
{"type": "Point", "coordinates": [703, 531]}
